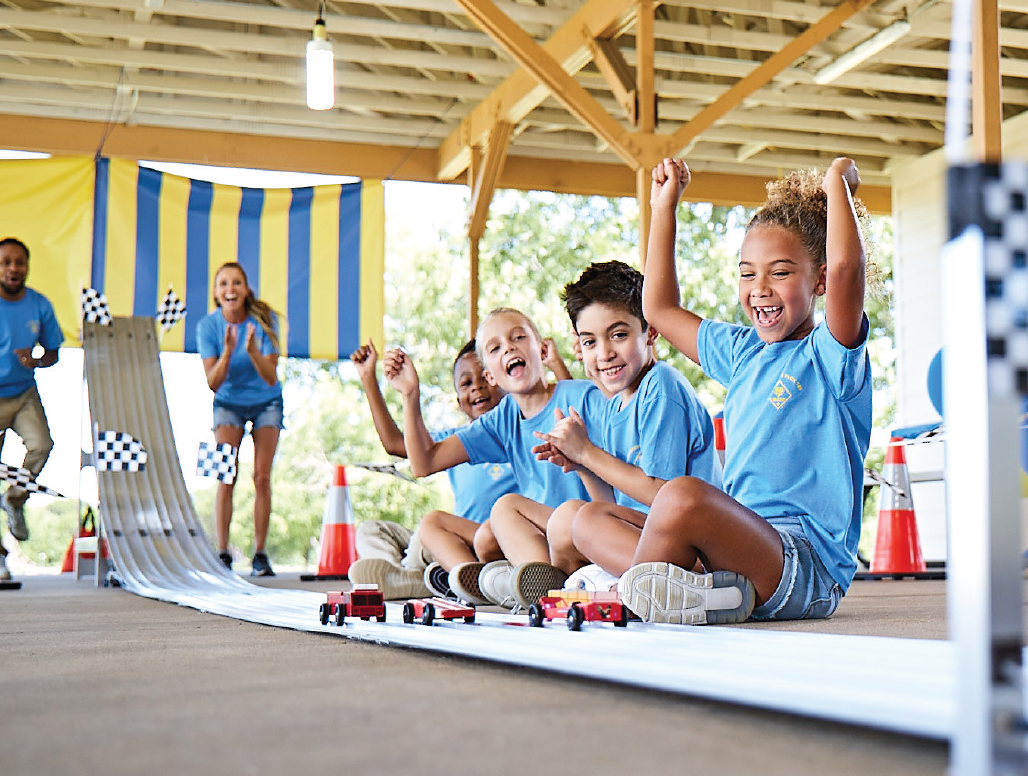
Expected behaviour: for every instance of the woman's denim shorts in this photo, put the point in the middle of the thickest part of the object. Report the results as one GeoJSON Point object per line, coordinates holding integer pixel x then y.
{"type": "Point", "coordinates": [807, 590]}
{"type": "Point", "coordinates": [259, 415]}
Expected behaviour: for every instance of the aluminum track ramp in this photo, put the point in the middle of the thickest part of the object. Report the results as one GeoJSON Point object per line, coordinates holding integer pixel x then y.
{"type": "Point", "coordinates": [160, 551]}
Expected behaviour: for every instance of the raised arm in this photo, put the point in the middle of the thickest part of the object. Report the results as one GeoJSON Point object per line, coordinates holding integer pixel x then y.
{"type": "Point", "coordinates": [426, 456]}
{"type": "Point", "coordinates": [364, 359]}
{"type": "Point", "coordinates": [265, 365]}
{"type": "Point", "coordinates": [216, 367]}
{"type": "Point", "coordinates": [845, 274]}
{"type": "Point", "coordinates": [662, 304]}
{"type": "Point", "coordinates": [553, 361]}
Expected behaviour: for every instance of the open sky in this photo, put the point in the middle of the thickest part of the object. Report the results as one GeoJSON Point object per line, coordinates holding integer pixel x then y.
{"type": "Point", "coordinates": [422, 206]}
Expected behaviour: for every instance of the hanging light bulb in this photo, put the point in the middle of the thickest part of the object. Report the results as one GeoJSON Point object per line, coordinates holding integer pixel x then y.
{"type": "Point", "coordinates": [321, 67]}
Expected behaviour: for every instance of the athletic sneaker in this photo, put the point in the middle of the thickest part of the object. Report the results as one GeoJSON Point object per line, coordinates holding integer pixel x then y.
{"type": "Point", "coordinates": [261, 566]}
{"type": "Point", "coordinates": [661, 592]}
{"type": "Point", "coordinates": [591, 578]}
{"type": "Point", "coordinates": [530, 581]}
{"type": "Point", "coordinates": [464, 583]}
{"type": "Point", "coordinates": [437, 579]}
{"type": "Point", "coordinates": [4, 573]}
{"type": "Point", "coordinates": [226, 559]}
{"type": "Point", "coordinates": [494, 582]}
{"type": "Point", "coordinates": [15, 518]}
{"type": "Point", "coordinates": [393, 582]}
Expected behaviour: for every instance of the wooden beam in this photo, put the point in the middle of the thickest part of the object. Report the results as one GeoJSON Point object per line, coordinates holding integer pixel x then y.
{"type": "Point", "coordinates": [986, 97]}
{"type": "Point", "coordinates": [768, 69]}
{"type": "Point", "coordinates": [519, 94]}
{"type": "Point", "coordinates": [644, 75]}
{"type": "Point", "coordinates": [612, 66]}
{"type": "Point", "coordinates": [484, 183]}
{"type": "Point", "coordinates": [643, 179]}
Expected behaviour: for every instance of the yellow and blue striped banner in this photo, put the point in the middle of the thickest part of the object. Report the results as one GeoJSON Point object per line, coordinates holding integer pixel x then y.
{"type": "Point", "coordinates": [315, 254]}
{"type": "Point", "coordinates": [48, 205]}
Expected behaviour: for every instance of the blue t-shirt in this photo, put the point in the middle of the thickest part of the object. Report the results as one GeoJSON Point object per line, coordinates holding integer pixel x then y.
{"type": "Point", "coordinates": [664, 430]}
{"type": "Point", "coordinates": [24, 324]}
{"type": "Point", "coordinates": [477, 486]}
{"type": "Point", "coordinates": [503, 435]}
{"type": "Point", "coordinates": [798, 425]}
{"type": "Point", "coordinates": [243, 387]}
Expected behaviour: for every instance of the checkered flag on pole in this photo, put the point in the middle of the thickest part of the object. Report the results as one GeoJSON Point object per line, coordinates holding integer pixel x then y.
{"type": "Point", "coordinates": [117, 451]}
{"type": "Point", "coordinates": [22, 478]}
{"type": "Point", "coordinates": [171, 310]}
{"type": "Point", "coordinates": [94, 307]}
{"type": "Point", "coordinates": [217, 461]}
{"type": "Point", "coordinates": [385, 468]}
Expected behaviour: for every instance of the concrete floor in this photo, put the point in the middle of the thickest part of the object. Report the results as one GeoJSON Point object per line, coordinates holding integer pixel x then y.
{"type": "Point", "coordinates": [100, 681]}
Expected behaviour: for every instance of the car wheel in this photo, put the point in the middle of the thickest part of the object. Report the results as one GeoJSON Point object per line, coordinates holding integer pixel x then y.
{"type": "Point", "coordinates": [535, 616]}
{"type": "Point", "coordinates": [380, 618]}
{"type": "Point", "coordinates": [340, 614]}
{"type": "Point", "coordinates": [622, 621]}
{"type": "Point", "coordinates": [575, 617]}
{"type": "Point", "coordinates": [470, 618]}
{"type": "Point", "coordinates": [324, 613]}
{"type": "Point", "coordinates": [428, 615]}
{"type": "Point", "coordinates": [408, 612]}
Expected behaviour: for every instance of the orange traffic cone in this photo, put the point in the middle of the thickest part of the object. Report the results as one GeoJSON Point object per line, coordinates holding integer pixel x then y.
{"type": "Point", "coordinates": [719, 436]}
{"type": "Point", "coordinates": [897, 546]}
{"type": "Point", "coordinates": [338, 549]}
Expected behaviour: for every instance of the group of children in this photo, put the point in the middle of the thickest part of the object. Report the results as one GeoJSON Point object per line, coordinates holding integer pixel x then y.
{"type": "Point", "coordinates": [614, 482]}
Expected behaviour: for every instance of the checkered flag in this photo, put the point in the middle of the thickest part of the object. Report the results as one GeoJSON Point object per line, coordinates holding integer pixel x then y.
{"type": "Point", "coordinates": [22, 478]}
{"type": "Point", "coordinates": [385, 468]}
{"type": "Point", "coordinates": [94, 307]}
{"type": "Point", "coordinates": [217, 461]}
{"type": "Point", "coordinates": [171, 310]}
{"type": "Point", "coordinates": [117, 451]}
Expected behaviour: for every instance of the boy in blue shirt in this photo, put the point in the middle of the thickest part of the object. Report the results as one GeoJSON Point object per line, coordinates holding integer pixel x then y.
{"type": "Point", "coordinates": [393, 556]}
{"type": "Point", "coordinates": [654, 429]}
{"type": "Point", "coordinates": [512, 353]}
{"type": "Point", "coordinates": [27, 319]}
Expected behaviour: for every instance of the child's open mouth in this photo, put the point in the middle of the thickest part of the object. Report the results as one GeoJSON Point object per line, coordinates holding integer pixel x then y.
{"type": "Point", "coordinates": [768, 316]}
{"type": "Point", "coordinates": [513, 364]}
{"type": "Point", "coordinates": [611, 372]}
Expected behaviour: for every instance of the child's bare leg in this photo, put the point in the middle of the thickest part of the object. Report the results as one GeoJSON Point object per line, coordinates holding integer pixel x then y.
{"type": "Point", "coordinates": [519, 525]}
{"type": "Point", "coordinates": [448, 537]}
{"type": "Point", "coordinates": [691, 519]}
{"type": "Point", "coordinates": [608, 534]}
{"type": "Point", "coordinates": [563, 553]}
{"type": "Point", "coordinates": [486, 547]}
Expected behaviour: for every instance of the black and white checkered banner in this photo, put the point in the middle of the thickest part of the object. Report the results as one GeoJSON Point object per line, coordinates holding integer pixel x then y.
{"type": "Point", "coordinates": [117, 451]}
{"type": "Point", "coordinates": [217, 461]}
{"type": "Point", "coordinates": [994, 197]}
{"type": "Point", "coordinates": [385, 468]}
{"type": "Point", "coordinates": [94, 307]}
{"type": "Point", "coordinates": [22, 478]}
{"type": "Point", "coordinates": [171, 310]}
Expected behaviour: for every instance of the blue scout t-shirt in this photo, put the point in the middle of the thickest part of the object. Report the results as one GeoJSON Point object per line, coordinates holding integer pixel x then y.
{"type": "Point", "coordinates": [24, 324]}
{"type": "Point", "coordinates": [477, 486]}
{"type": "Point", "coordinates": [243, 387]}
{"type": "Point", "coordinates": [503, 435]}
{"type": "Point", "coordinates": [798, 425]}
{"type": "Point", "coordinates": [664, 430]}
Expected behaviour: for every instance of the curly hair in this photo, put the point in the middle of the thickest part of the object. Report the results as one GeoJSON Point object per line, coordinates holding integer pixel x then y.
{"type": "Point", "coordinates": [798, 202]}
{"type": "Point", "coordinates": [612, 283]}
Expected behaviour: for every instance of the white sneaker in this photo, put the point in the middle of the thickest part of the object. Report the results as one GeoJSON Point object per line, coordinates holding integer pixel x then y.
{"type": "Point", "coordinates": [15, 518]}
{"type": "Point", "coordinates": [393, 582]}
{"type": "Point", "coordinates": [494, 582]}
{"type": "Point", "coordinates": [534, 579]}
{"type": "Point", "coordinates": [4, 573]}
{"type": "Point", "coordinates": [437, 580]}
{"type": "Point", "coordinates": [464, 583]}
{"type": "Point", "coordinates": [591, 578]}
{"type": "Point", "coordinates": [662, 592]}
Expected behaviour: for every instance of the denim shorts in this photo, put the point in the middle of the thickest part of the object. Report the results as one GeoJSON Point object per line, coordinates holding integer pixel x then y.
{"type": "Point", "coordinates": [259, 415]}
{"type": "Point", "coordinates": [806, 590]}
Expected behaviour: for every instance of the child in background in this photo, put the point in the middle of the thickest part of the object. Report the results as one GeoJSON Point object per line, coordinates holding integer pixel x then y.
{"type": "Point", "coordinates": [391, 555]}
{"type": "Point", "coordinates": [783, 533]}
{"type": "Point", "coordinates": [511, 352]}
{"type": "Point", "coordinates": [653, 430]}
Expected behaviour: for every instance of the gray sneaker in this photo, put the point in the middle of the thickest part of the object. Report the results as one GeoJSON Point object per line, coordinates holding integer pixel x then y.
{"type": "Point", "coordinates": [530, 581]}
{"type": "Point", "coordinates": [464, 583]}
{"type": "Point", "coordinates": [393, 582]}
{"type": "Point", "coordinates": [662, 592]}
{"type": "Point", "coordinates": [4, 573]}
{"type": "Point", "coordinates": [15, 518]}
{"type": "Point", "coordinates": [494, 582]}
